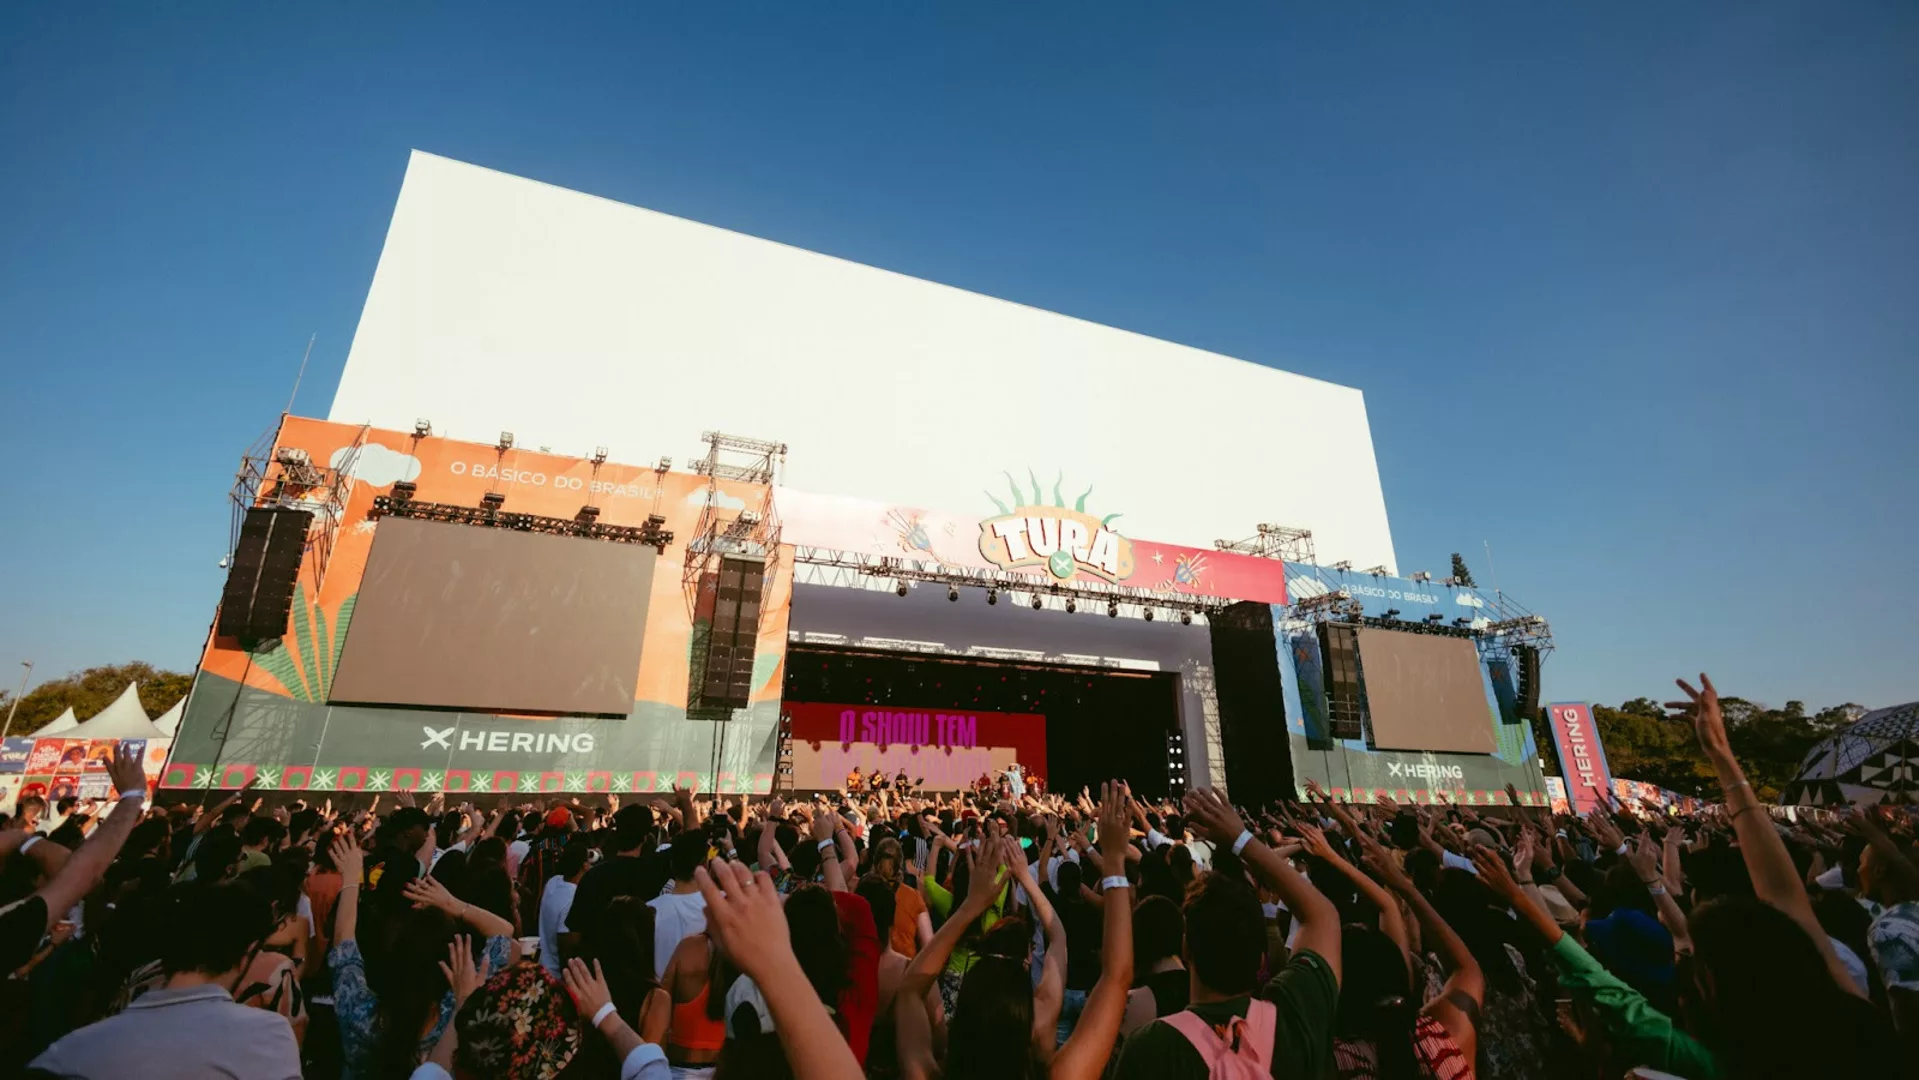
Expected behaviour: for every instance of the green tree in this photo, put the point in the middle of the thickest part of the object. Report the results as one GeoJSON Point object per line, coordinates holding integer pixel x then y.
{"type": "Point", "coordinates": [1642, 743]}
{"type": "Point", "coordinates": [89, 691]}
{"type": "Point", "coordinates": [1461, 575]}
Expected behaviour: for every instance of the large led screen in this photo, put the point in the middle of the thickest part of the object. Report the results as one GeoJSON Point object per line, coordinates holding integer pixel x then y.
{"type": "Point", "coordinates": [1425, 692]}
{"type": "Point", "coordinates": [468, 617]}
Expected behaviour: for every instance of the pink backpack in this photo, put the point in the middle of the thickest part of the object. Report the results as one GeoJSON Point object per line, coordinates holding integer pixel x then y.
{"type": "Point", "coordinates": [1247, 1050]}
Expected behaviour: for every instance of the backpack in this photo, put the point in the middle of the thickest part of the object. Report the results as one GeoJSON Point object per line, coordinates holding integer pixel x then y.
{"type": "Point", "coordinates": [1246, 1051]}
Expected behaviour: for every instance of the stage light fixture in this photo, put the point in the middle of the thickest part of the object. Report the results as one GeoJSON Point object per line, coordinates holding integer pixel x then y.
{"type": "Point", "coordinates": [1071, 606]}
{"type": "Point", "coordinates": [492, 501]}
{"type": "Point", "coordinates": [992, 596]}
{"type": "Point", "coordinates": [506, 440]}
{"type": "Point", "coordinates": [1186, 618]}
{"type": "Point", "coordinates": [952, 592]}
{"type": "Point", "coordinates": [599, 455]}
{"type": "Point", "coordinates": [900, 588]}
{"type": "Point", "coordinates": [1149, 614]}
{"type": "Point", "coordinates": [1036, 602]}
{"type": "Point", "coordinates": [1392, 613]}
{"type": "Point", "coordinates": [1435, 617]}
{"type": "Point", "coordinates": [1462, 621]}
{"type": "Point", "coordinates": [1112, 609]}
{"type": "Point", "coordinates": [422, 428]}
{"type": "Point", "coordinates": [1343, 564]}
{"type": "Point", "coordinates": [665, 465]}
{"type": "Point", "coordinates": [1421, 575]}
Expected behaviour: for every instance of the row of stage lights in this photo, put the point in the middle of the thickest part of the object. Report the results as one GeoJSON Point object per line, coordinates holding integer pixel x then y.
{"type": "Point", "coordinates": [1072, 605]}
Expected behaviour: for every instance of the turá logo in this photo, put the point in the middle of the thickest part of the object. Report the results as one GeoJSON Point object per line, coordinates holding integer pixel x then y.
{"type": "Point", "coordinates": [1065, 540]}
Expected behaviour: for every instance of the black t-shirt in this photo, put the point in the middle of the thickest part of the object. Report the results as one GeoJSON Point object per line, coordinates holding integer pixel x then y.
{"type": "Point", "coordinates": [21, 928]}
{"type": "Point", "coordinates": [640, 876]}
{"type": "Point", "coordinates": [1085, 930]}
{"type": "Point", "coordinates": [1305, 996]}
{"type": "Point", "coordinates": [1171, 989]}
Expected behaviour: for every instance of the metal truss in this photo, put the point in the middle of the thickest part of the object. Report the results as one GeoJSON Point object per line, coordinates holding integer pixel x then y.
{"type": "Point", "coordinates": [287, 478]}
{"type": "Point", "coordinates": [1286, 542]}
{"type": "Point", "coordinates": [585, 526]}
{"type": "Point", "coordinates": [829, 566]}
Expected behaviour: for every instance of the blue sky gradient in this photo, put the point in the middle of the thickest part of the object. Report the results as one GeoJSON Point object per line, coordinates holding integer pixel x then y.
{"type": "Point", "coordinates": [1632, 290]}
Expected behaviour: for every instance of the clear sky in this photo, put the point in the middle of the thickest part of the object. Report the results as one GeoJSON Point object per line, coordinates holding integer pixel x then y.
{"type": "Point", "coordinates": [1632, 289]}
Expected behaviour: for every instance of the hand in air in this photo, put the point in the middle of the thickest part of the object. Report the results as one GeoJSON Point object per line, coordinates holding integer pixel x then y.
{"type": "Point", "coordinates": [461, 973]}
{"type": "Point", "coordinates": [1214, 815]}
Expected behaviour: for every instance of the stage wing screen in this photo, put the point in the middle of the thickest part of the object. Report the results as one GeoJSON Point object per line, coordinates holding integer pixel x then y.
{"type": "Point", "coordinates": [1425, 692]}
{"type": "Point", "coordinates": [467, 617]}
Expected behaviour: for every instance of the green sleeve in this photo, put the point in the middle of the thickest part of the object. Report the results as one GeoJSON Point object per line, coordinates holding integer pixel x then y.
{"type": "Point", "coordinates": [1643, 1033]}
{"type": "Point", "coordinates": [938, 899]}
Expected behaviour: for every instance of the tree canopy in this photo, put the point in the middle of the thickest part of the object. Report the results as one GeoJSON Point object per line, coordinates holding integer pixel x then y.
{"type": "Point", "coordinates": [1643, 744]}
{"type": "Point", "coordinates": [1461, 574]}
{"type": "Point", "coordinates": [89, 691]}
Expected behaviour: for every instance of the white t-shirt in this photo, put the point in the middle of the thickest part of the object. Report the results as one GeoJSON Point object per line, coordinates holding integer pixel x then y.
{"type": "Point", "coordinates": [676, 917]}
{"type": "Point", "coordinates": [514, 853]}
{"type": "Point", "coordinates": [556, 900]}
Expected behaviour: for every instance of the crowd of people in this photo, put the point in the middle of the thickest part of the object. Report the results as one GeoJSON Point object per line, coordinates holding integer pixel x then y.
{"type": "Point", "coordinates": [988, 935]}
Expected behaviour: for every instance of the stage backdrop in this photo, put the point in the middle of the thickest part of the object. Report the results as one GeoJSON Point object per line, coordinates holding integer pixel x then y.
{"type": "Point", "coordinates": [944, 749]}
{"type": "Point", "coordinates": [1351, 768]}
{"type": "Point", "coordinates": [265, 711]}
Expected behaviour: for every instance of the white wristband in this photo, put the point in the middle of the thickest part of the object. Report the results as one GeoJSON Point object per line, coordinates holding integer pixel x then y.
{"type": "Point", "coordinates": [1117, 881]}
{"type": "Point", "coordinates": [1245, 838]}
{"type": "Point", "coordinates": [605, 1011]}
{"type": "Point", "coordinates": [135, 794]}
{"type": "Point", "coordinates": [824, 844]}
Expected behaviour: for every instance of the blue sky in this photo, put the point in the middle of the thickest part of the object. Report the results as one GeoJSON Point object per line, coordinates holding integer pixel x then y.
{"type": "Point", "coordinates": [1632, 290]}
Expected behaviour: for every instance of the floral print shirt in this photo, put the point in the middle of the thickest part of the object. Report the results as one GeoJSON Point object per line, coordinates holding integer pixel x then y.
{"type": "Point", "coordinates": [358, 1007]}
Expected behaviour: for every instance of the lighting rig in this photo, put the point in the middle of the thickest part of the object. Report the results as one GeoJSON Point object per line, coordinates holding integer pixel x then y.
{"type": "Point", "coordinates": [489, 513]}
{"type": "Point", "coordinates": [1152, 604]}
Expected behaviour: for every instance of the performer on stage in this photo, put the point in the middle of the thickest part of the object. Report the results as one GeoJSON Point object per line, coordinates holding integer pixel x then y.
{"type": "Point", "coordinates": [1015, 781]}
{"type": "Point", "coordinates": [901, 783]}
{"type": "Point", "coordinates": [877, 781]}
{"type": "Point", "coordinates": [853, 781]}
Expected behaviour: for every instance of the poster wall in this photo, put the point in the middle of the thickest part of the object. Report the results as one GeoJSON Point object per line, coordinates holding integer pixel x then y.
{"type": "Point", "coordinates": [942, 750]}
{"type": "Point", "coordinates": [263, 710]}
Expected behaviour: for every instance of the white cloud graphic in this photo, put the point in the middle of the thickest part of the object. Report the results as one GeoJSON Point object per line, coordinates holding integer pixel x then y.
{"type": "Point", "coordinates": [1303, 587]}
{"type": "Point", "coordinates": [377, 465]}
{"type": "Point", "coordinates": [1468, 600]}
{"type": "Point", "coordinates": [697, 497]}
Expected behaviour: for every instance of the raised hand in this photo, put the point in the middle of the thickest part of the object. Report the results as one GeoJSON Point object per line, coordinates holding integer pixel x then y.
{"type": "Point", "coordinates": [1313, 840]}
{"type": "Point", "coordinates": [461, 973]}
{"type": "Point", "coordinates": [427, 892]}
{"type": "Point", "coordinates": [350, 861]}
{"type": "Point", "coordinates": [986, 876]}
{"type": "Point", "coordinates": [124, 769]}
{"type": "Point", "coordinates": [743, 911]}
{"type": "Point", "coordinates": [400, 798]}
{"type": "Point", "coordinates": [1644, 858]}
{"type": "Point", "coordinates": [1115, 810]}
{"type": "Point", "coordinates": [1215, 816]}
{"type": "Point", "coordinates": [587, 986]}
{"type": "Point", "coordinates": [1523, 854]}
{"type": "Point", "coordinates": [1493, 874]}
{"type": "Point", "coordinates": [1381, 863]}
{"type": "Point", "coordinates": [1708, 723]}
{"type": "Point", "coordinates": [1604, 831]}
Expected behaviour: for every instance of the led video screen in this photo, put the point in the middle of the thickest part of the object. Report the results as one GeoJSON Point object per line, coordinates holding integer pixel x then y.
{"type": "Point", "coordinates": [469, 617]}
{"type": "Point", "coordinates": [1425, 692]}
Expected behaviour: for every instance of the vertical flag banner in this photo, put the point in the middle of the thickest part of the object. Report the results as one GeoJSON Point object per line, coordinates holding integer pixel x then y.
{"type": "Point", "coordinates": [1581, 759]}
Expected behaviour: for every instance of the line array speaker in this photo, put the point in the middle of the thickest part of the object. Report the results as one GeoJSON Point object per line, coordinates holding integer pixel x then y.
{"type": "Point", "coordinates": [259, 589]}
{"type": "Point", "coordinates": [727, 681]}
{"type": "Point", "coordinates": [1339, 653]}
{"type": "Point", "coordinates": [1528, 657]}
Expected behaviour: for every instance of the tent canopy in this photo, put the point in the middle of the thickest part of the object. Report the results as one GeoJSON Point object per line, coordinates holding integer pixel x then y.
{"type": "Point", "coordinates": [66, 721]}
{"type": "Point", "coordinates": [169, 722]}
{"type": "Point", "coordinates": [126, 718]}
{"type": "Point", "coordinates": [1875, 760]}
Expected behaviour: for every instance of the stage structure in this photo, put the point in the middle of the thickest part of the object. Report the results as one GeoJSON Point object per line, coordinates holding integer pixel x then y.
{"type": "Point", "coordinates": [408, 609]}
{"type": "Point", "coordinates": [480, 618]}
